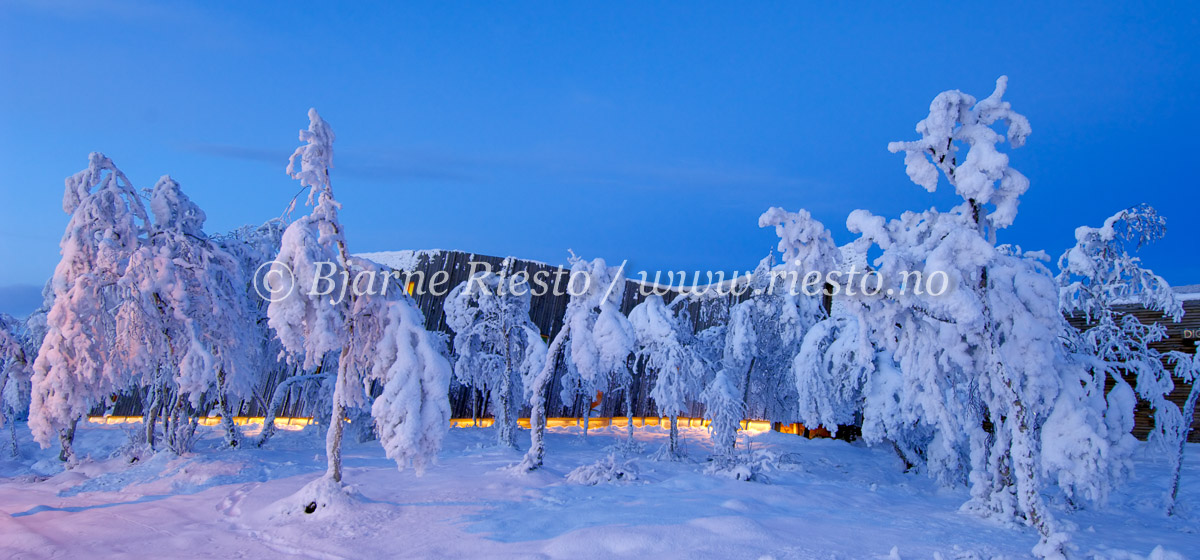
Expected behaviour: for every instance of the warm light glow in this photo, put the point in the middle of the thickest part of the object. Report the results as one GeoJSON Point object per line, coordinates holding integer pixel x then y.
{"type": "Point", "coordinates": [299, 422]}
{"type": "Point", "coordinates": [282, 422]}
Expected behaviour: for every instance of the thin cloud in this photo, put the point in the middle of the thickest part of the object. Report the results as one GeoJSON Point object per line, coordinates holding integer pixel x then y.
{"type": "Point", "coordinates": [373, 166]}
{"type": "Point", "coordinates": [433, 165]}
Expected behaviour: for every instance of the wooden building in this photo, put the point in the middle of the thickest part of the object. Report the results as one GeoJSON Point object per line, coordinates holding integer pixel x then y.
{"type": "Point", "coordinates": [428, 276]}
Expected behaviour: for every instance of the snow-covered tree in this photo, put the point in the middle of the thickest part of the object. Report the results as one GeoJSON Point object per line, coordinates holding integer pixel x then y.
{"type": "Point", "coordinates": [252, 247]}
{"type": "Point", "coordinates": [377, 333]}
{"type": "Point", "coordinates": [79, 362]}
{"type": "Point", "coordinates": [664, 347]}
{"type": "Point", "coordinates": [761, 339]}
{"type": "Point", "coordinates": [603, 366]}
{"type": "Point", "coordinates": [1187, 368]}
{"type": "Point", "coordinates": [980, 341]}
{"type": "Point", "coordinates": [765, 330]}
{"type": "Point", "coordinates": [496, 345]}
{"type": "Point", "coordinates": [194, 313]}
{"type": "Point", "coordinates": [14, 374]}
{"type": "Point", "coordinates": [831, 372]}
{"type": "Point", "coordinates": [1098, 274]}
{"type": "Point", "coordinates": [593, 287]}
{"type": "Point", "coordinates": [615, 342]}
{"type": "Point", "coordinates": [836, 364]}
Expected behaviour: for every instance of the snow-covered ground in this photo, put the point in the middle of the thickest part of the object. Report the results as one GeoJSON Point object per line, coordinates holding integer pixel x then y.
{"type": "Point", "coordinates": [822, 499]}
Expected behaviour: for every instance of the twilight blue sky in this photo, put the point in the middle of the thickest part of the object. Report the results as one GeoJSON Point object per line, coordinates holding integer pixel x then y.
{"type": "Point", "coordinates": [653, 132]}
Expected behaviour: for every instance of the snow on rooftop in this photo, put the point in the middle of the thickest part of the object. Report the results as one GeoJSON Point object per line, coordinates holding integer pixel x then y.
{"type": "Point", "coordinates": [1190, 292]}
{"type": "Point", "coordinates": [399, 260]}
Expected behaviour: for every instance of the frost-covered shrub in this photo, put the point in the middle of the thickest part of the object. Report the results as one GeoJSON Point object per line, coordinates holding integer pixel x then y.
{"type": "Point", "coordinates": [749, 465]}
{"type": "Point", "coordinates": [605, 471]}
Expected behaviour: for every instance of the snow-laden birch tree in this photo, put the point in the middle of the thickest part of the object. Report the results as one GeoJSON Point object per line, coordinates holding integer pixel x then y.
{"type": "Point", "coordinates": [664, 347]}
{"type": "Point", "coordinates": [1098, 274]}
{"type": "Point", "coordinates": [724, 407]}
{"type": "Point", "coordinates": [324, 300]}
{"type": "Point", "coordinates": [496, 344]}
{"type": "Point", "coordinates": [595, 289]}
{"type": "Point", "coordinates": [615, 342]}
{"type": "Point", "coordinates": [193, 317]}
{"type": "Point", "coordinates": [766, 331]}
{"type": "Point", "coordinates": [981, 341]}
{"type": "Point", "coordinates": [14, 374]}
{"type": "Point", "coordinates": [1187, 368]}
{"type": "Point", "coordinates": [80, 360]}
{"type": "Point", "coordinates": [253, 248]}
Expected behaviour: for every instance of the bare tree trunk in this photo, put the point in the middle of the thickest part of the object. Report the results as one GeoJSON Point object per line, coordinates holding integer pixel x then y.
{"type": "Point", "coordinates": [67, 438]}
{"type": "Point", "coordinates": [333, 437]}
{"type": "Point", "coordinates": [629, 410]}
{"type": "Point", "coordinates": [150, 414]}
{"type": "Point", "coordinates": [182, 429]}
{"type": "Point", "coordinates": [474, 406]}
{"type": "Point", "coordinates": [746, 387]}
{"type": "Point", "coordinates": [537, 413]}
{"type": "Point", "coordinates": [505, 424]}
{"type": "Point", "coordinates": [1023, 462]}
{"type": "Point", "coordinates": [232, 438]}
{"type": "Point", "coordinates": [587, 415]}
{"type": "Point", "coordinates": [506, 432]}
{"type": "Point", "coordinates": [1189, 416]}
{"type": "Point", "coordinates": [674, 442]}
{"type": "Point", "coordinates": [12, 431]}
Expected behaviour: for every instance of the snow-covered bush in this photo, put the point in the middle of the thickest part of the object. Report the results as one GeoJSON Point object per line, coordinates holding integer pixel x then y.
{"type": "Point", "coordinates": [607, 470]}
{"type": "Point", "coordinates": [746, 465]}
{"type": "Point", "coordinates": [723, 407]}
